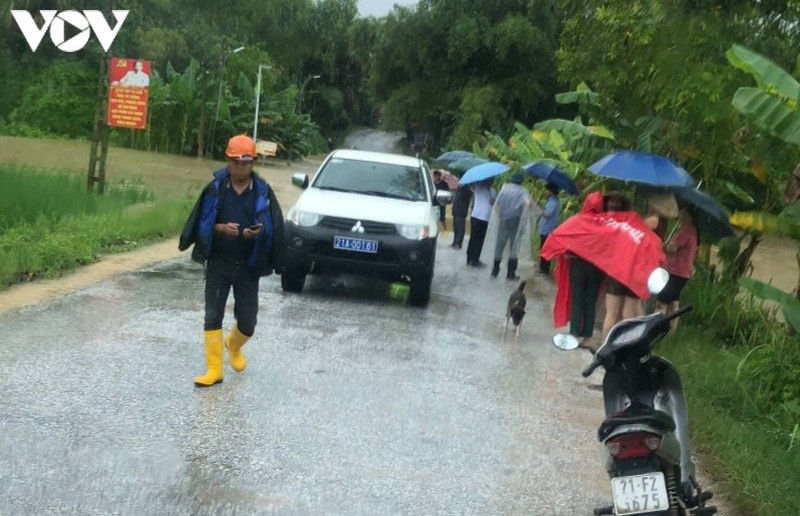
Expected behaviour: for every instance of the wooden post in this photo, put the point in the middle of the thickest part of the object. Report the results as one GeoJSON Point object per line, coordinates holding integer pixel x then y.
{"type": "Point", "coordinates": [99, 148]}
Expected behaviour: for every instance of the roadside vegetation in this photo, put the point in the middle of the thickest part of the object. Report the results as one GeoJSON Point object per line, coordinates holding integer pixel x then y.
{"type": "Point", "coordinates": [740, 366]}
{"type": "Point", "coordinates": [50, 224]}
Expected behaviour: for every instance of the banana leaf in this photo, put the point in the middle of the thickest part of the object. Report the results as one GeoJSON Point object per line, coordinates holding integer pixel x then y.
{"type": "Point", "coordinates": [769, 113]}
{"type": "Point", "coordinates": [767, 224]}
{"type": "Point", "coordinates": [567, 127]}
{"type": "Point", "coordinates": [727, 186]}
{"type": "Point", "coordinates": [767, 74]}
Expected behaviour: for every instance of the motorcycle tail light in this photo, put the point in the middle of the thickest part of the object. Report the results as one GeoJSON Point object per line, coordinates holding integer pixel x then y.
{"type": "Point", "coordinates": [634, 445]}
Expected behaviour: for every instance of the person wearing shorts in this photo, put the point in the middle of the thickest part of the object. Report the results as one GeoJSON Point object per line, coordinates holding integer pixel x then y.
{"type": "Point", "coordinates": [680, 251]}
{"type": "Point", "coordinates": [620, 301]}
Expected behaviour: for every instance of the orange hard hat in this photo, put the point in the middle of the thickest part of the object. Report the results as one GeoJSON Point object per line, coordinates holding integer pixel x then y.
{"type": "Point", "coordinates": [241, 147]}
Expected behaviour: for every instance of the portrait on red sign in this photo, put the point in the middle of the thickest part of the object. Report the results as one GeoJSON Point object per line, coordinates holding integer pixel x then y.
{"type": "Point", "coordinates": [131, 73]}
{"type": "Point", "coordinates": [127, 97]}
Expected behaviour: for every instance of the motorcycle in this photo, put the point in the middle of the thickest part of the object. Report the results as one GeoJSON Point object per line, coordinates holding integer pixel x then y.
{"type": "Point", "coordinates": [645, 433]}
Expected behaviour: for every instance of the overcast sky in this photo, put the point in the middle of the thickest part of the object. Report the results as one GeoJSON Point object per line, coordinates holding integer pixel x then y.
{"type": "Point", "coordinates": [378, 8]}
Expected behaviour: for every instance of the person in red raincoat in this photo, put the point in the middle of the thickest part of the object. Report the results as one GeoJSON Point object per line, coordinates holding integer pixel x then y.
{"type": "Point", "coordinates": [585, 280]}
{"type": "Point", "coordinates": [619, 243]}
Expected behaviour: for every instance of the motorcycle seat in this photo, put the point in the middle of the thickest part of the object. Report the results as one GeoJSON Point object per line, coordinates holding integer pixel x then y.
{"type": "Point", "coordinates": [657, 419]}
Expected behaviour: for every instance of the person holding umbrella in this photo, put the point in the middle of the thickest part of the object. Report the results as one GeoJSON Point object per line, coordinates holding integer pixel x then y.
{"type": "Point", "coordinates": [594, 242]}
{"type": "Point", "coordinates": [548, 221]}
{"type": "Point", "coordinates": [484, 196]}
{"type": "Point", "coordinates": [508, 220]}
{"type": "Point", "coordinates": [680, 250]}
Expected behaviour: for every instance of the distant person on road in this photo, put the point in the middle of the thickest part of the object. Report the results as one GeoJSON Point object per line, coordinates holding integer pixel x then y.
{"type": "Point", "coordinates": [440, 184]}
{"type": "Point", "coordinates": [510, 214]}
{"type": "Point", "coordinates": [136, 77]}
{"type": "Point", "coordinates": [460, 211]}
{"type": "Point", "coordinates": [484, 196]}
{"type": "Point", "coordinates": [236, 227]}
{"type": "Point", "coordinates": [548, 221]}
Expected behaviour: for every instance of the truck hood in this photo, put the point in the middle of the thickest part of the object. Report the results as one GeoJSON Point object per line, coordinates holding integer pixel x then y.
{"type": "Point", "coordinates": [364, 207]}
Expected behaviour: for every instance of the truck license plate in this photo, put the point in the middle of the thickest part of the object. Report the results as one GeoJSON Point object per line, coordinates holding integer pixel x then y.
{"type": "Point", "coordinates": [639, 493]}
{"type": "Point", "coordinates": [355, 244]}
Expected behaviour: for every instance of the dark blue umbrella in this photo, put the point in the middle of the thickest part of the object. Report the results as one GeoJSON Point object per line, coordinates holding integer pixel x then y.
{"type": "Point", "coordinates": [483, 171]}
{"type": "Point", "coordinates": [462, 165]}
{"type": "Point", "coordinates": [641, 167]}
{"type": "Point", "coordinates": [710, 218]}
{"type": "Point", "coordinates": [551, 174]}
{"type": "Point", "coordinates": [451, 156]}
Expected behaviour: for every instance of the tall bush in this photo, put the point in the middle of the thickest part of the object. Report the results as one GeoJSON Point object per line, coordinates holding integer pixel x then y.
{"type": "Point", "coordinates": [59, 102]}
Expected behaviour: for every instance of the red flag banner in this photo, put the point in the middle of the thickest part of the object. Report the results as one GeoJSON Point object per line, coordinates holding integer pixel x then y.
{"type": "Point", "coordinates": [127, 96]}
{"type": "Point", "coordinates": [619, 243]}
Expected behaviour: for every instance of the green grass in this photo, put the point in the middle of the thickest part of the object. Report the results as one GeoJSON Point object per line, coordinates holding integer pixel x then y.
{"type": "Point", "coordinates": [50, 224]}
{"type": "Point", "coordinates": [744, 441]}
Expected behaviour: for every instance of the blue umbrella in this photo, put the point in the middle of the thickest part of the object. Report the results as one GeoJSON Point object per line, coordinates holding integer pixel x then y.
{"type": "Point", "coordinates": [551, 174]}
{"type": "Point", "coordinates": [641, 167]}
{"type": "Point", "coordinates": [451, 156]}
{"type": "Point", "coordinates": [483, 171]}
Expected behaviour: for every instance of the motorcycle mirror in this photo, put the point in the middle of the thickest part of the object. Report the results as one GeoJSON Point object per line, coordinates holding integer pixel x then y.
{"type": "Point", "coordinates": [565, 342]}
{"type": "Point", "coordinates": [657, 281]}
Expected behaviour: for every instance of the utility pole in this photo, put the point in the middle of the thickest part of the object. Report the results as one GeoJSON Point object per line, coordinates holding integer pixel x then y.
{"type": "Point", "coordinates": [98, 154]}
{"type": "Point", "coordinates": [223, 58]}
{"type": "Point", "coordinates": [300, 98]}
{"type": "Point", "coordinates": [258, 99]}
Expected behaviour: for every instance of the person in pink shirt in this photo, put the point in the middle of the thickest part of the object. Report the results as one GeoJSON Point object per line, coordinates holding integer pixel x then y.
{"type": "Point", "coordinates": [680, 250]}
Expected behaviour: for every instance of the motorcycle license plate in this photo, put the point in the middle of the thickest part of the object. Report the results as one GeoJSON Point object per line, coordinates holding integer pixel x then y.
{"type": "Point", "coordinates": [639, 493]}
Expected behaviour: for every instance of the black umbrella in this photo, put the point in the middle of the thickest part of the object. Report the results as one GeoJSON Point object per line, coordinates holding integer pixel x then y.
{"type": "Point", "coordinates": [710, 218]}
{"type": "Point", "coordinates": [551, 174]}
{"type": "Point", "coordinates": [451, 156]}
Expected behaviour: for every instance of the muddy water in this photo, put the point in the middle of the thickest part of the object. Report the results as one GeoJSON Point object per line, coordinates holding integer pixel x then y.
{"type": "Point", "coordinates": [774, 260]}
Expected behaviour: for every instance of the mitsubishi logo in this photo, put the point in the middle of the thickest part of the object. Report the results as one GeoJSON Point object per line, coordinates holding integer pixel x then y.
{"type": "Point", "coordinates": [358, 228]}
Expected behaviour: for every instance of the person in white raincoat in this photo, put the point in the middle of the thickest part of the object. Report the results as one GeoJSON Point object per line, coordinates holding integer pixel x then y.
{"type": "Point", "coordinates": [509, 225]}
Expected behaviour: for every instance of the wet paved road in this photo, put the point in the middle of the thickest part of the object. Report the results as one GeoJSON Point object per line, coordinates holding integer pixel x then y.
{"type": "Point", "coordinates": [353, 403]}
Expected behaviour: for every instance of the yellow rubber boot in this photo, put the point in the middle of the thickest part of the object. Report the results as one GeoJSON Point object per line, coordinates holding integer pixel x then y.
{"type": "Point", "coordinates": [234, 342]}
{"type": "Point", "coordinates": [213, 360]}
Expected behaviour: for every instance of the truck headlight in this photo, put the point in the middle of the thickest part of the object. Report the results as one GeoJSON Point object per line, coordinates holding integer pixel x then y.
{"type": "Point", "coordinates": [413, 232]}
{"type": "Point", "coordinates": [305, 218]}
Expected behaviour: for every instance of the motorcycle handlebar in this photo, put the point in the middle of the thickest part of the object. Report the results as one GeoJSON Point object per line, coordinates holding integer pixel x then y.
{"type": "Point", "coordinates": [590, 368]}
{"type": "Point", "coordinates": [597, 363]}
{"type": "Point", "coordinates": [679, 312]}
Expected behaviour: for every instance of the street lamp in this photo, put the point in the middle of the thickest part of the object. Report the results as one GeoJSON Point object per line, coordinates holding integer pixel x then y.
{"type": "Point", "coordinates": [302, 89]}
{"type": "Point", "coordinates": [223, 58]}
{"type": "Point", "coordinates": [258, 98]}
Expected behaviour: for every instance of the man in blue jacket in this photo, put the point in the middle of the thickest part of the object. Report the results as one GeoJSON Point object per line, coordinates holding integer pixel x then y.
{"type": "Point", "coordinates": [236, 227]}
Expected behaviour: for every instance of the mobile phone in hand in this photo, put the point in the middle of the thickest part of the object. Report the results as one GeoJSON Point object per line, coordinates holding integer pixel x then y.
{"type": "Point", "coordinates": [255, 227]}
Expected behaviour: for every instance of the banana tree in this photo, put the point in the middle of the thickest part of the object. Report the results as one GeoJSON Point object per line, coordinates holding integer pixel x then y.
{"type": "Point", "coordinates": [772, 106]}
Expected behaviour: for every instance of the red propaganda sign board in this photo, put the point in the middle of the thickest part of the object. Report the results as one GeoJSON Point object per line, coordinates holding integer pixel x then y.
{"type": "Point", "coordinates": [127, 96]}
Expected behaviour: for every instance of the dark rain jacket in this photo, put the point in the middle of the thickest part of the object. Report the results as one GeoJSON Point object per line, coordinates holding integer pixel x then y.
{"type": "Point", "coordinates": [267, 255]}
